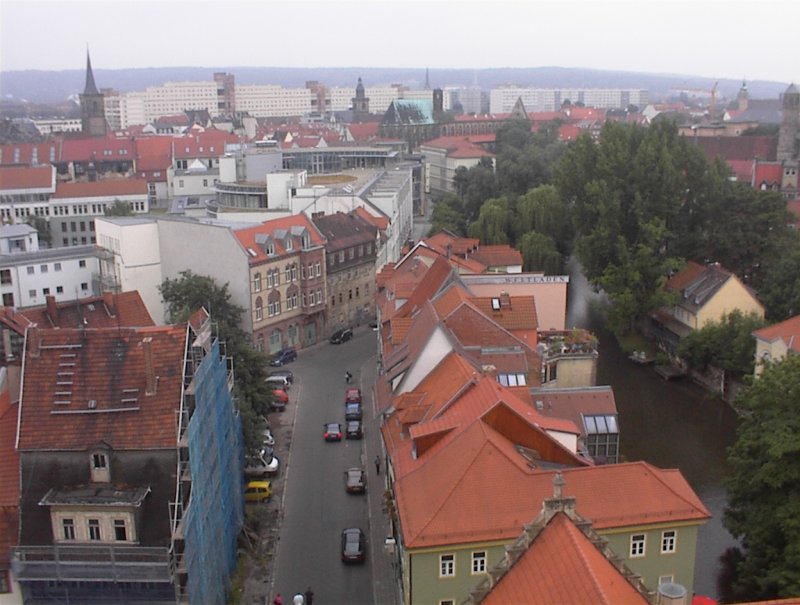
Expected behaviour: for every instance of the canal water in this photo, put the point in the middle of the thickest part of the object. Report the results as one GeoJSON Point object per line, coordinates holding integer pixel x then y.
{"type": "Point", "coordinates": [670, 424]}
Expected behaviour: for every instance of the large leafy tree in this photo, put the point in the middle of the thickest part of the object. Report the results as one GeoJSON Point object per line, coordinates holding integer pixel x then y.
{"type": "Point", "coordinates": [727, 344]}
{"type": "Point", "coordinates": [188, 293]}
{"type": "Point", "coordinates": [539, 253]}
{"type": "Point", "coordinates": [763, 510]}
{"type": "Point", "coordinates": [542, 209]}
{"type": "Point", "coordinates": [494, 223]}
{"type": "Point", "coordinates": [780, 290]}
{"type": "Point", "coordinates": [448, 214]}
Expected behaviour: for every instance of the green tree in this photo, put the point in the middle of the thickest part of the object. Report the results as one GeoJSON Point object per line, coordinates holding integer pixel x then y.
{"type": "Point", "coordinates": [479, 184]}
{"type": "Point", "coordinates": [780, 291]}
{"type": "Point", "coordinates": [494, 223]}
{"type": "Point", "coordinates": [119, 208]}
{"type": "Point", "coordinates": [763, 486]}
{"type": "Point", "coordinates": [542, 209]}
{"type": "Point", "coordinates": [188, 293]}
{"type": "Point", "coordinates": [539, 253]}
{"type": "Point", "coordinates": [448, 215]}
{"type": "Point", "coordinates": [727, 344]}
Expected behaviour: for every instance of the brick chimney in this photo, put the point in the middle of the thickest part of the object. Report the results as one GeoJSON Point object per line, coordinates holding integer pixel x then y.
{"type": "Point", "coordinates": [108, 300]}
{"type": "Point", "coordinates": [33, 341]}
{"type": "Point", "coordinates": [52, 308]}
{"type": "Point", "coordinates": [505, 299]}
{"type": "Point", "coordinates": [149, 369]}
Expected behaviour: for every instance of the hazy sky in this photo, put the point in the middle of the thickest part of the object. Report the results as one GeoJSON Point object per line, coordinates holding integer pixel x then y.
{"type": "Point", "coordinates": [753, 39]}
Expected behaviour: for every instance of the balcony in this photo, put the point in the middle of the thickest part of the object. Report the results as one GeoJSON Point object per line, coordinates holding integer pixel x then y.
{"type": "Point", "coordinates": [567, 343]}
{"type": "Point", "coordinates": [92, 563]}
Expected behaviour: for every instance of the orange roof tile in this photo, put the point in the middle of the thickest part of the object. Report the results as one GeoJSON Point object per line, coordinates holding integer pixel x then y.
{"type": "Point", "coordinates": [788, 331]}
{"type": "Point", "coordinates": [106, 149]}
{"type": "Point", "coordinates": [518, 314]}
{"type": "Point", "coordinates": [685, 276]}
{"type": "Point", "coordinates": [458, 245]}
{"type": "Point", "coordinates": [498, 256]}
{"type": "Point", "coordinates": [105, 188]}
{"type": "Point", "coordinates": [106, 311]}
{"type": "Point", "coordinates": [562, 566]}
{"type": "Point", "coordinates": [381, 222]}
{"type": "Point", "coordinates": [110, 371]}
{"type": "Point", "coordinates": [27, 177]}
{"type": "Point", "coordinates": [248, 237]}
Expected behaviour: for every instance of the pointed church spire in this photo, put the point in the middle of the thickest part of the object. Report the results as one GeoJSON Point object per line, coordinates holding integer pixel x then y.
{"type": "Point", "coordinates": [427, 80]}
{"type": "Point", "coordinates": [90, 88]}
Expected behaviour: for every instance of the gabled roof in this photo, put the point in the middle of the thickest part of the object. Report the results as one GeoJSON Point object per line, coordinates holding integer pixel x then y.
{"type": "Point", "coordinates": [106, 311]}
{"type": "Point", "coordinates": [105, 189]}
{"type": "Point", "coordinates": [9, 477]}
{"type": "Point", "coordinates": [575, 403]}
{"type": "Point", "coordinates": [767, 172]}
{"type": "Point", "coordinates": [381, 222]}
{"type": "Point", "coordinates": [561, 565]}
{"type": "Point", "coordinates": [501, 255]}
{"type": "Point", "coordinates": [698, 284]}
{"type": "Point", "coordinates": [458, 147]}
{"type": "Point", "coordinates": [208, 144]}
{"type": "Point", "coordinates": [103, 149]}
{"type": "Point", "coordinates": [519, 312]}
{"type": "Point", "coordinates": [276, 231]}
{"type": "Point", "coordinates": [344, 231]}
{"type": "Point", "coordinates": [409, 112]}
{"type": "Point", "coordinates": [30, 154]}
{"type": "Point", "coordinates": [788, 331]}
{"type": "Point", "coordinates": [118, 385]}
{"type": "Point", "coordinates": [738, 148]}
{"type": "Point", "coordinates": [27, 177]}
{"type": "Point", "coordinates": [363, 131]}
{"type": "Point", "coordinates": [434, 278]}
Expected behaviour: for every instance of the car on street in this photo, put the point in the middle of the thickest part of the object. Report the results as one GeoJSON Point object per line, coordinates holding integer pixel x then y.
{"type": "Point", "coordinates": [263, 463]}
{"type": "Point", "coordinates": [341, 335]}
{"type": "Point", "coordinates": [354, 545]}
{"type": "Point", "coordinates": [288, 374]}
{"type": "Point", "coordinates": [257, 491]}
{"type": "Point", "coordinates": [265, 430]}
{"type": "Point", "coordinates": [279, 400]}
{"type": "Point", "coordinates": [355, 480]}
{"type": "Point", "coordinates": [352, 395]}
{"type": "Point", "coordinates": [283, 357]}
{"type": "Point", "coordinates": [333, 432]}
{"type": "Point", "coordinates": [278, 382]}
{"type": "Point", "coordinates": [352, 411]}
{"type": "Point", "coordinates": [353, 429]}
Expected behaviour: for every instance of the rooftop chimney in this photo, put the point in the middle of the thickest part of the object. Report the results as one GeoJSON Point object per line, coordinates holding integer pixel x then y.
{"type": "Point", "coordinates": [52, 308]}
{"type": "Point", "coordinates": [505, 299]}
{"type": "Point", "coordinates": [108, 300]}
{"type": "Point", "coordinates": [33, 341]}
{"type": "Point", "coordinates": [149, 370]}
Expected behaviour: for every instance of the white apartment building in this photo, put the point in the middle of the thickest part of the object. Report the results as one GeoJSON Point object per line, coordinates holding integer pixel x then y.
{"type": "Point", "coordinates": [58, 125]}
{"type": "Point", "coordinates": [273, 101]}
{"type": "Point", "coordinates": [502, 100]}
{"type": "Point", "coordinates": [26, 191]}
{"type": "Point", "coordinates": [26, 278]}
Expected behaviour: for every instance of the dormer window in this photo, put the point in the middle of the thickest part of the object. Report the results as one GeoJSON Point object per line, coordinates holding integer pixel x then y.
{"type": "Point", "coordinates": [288, 244]}
{"type": "Point", "coordinates": [101, 472]}
{"type": "Point", "coordinates": [306, 241]}
{"type": "Point", "coordinates": [269, 249]}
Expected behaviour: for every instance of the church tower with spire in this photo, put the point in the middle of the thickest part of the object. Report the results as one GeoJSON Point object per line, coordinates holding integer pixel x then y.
{"type": "Point", "coordinates": [93, 111]}
{"type": "Point", "coordinates": [360, 103]}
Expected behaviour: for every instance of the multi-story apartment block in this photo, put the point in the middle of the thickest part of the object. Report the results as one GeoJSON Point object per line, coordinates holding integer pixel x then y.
{"type": "Point", "coordinates": [351, 250]}
{"type": "Point", "coordinates": [287, 282]}
{"type": "Point", "coordinates": [270, 100]}
{"type": "Point", "coordinates": [131, 466]}
{"type": "Point", "coordinates": [502, 100]}
{"type": "Point", "coordinates": [25, 191]}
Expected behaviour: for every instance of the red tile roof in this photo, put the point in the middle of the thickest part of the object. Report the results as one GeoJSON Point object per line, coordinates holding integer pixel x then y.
{"type": "Point", "coordinates": [738, 148]}
{"type": "Point", "coordinates": [272, 229]}
{"type": "Point", "coordinates": [501, 255]}
{"type": "Point", "coordinates": [685, 276]}
{"type": "Point", "coordinates": [107, 188]}
{"type": "Point", "coordinates": [518, 314]}
{"type": "Point", "coordinates": [31, 153]}
{"type": "Point", "coordinates": [381, 222]}
{"type": "Point", "coordinates": [742, 170]}
{"type": "Point", "coordinates": [9, 478]}
{"type": "Point", "coordinates": [458, 147]}
{"type": "Point", "coordinates": [106, 311]}
{"type": "Point", "coordinates": [107, 149]}
{"type": "Point", "coordinates": [788, 331]}
{"type": "Point", "coordinates": [769, 173]}
{"type": "Point", "coordinates": [562, 566]}
{"type": "Point", "coordinates": [569, 132]}
{"type": "Point", "coordinates": [84, 386]}
{"type": "Point", "coordinates": [27, 177]}
{"type": "Point", "coordinates": [458, 245]}
{"type": "Point", "coordinates": [364, 131]}
{"type": "Point", "coordinates": [210, 143]}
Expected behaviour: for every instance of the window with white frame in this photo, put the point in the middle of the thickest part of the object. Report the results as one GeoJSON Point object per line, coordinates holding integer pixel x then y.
{"type": "Point", "coordinates": [120, 530]}
{"type": "Point", "coordinates": [259, 309]}
{"type": "Point", "coordinates": [100, 468]}
{"type": "Point", "coordinates": [288, 244]}
{"type": "Point", "coordinates": [68, 528]}
{"type": "Point", "coordinates": [288, 273]}
{"type": "Point", "coordinates": [512, 380]}
{"type": "Point", "coordinates": [668, 539]}
{"type": "Point", "coordinates": [479, 562]}
{"type": "Point", "coordinates": [447, 566]}
{"type": "Point", "coordinates": [257, 282]}
{"type": "Point", "coordinates": [94, 530]}
{"type": "Point", "coordinates": [317, 268]}
{"type": "Point", "coordinates": [270, 279]}
{"type": "Point", "coordinates": [637, 545]}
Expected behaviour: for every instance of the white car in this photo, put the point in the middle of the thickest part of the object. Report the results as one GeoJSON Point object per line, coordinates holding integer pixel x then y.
{"type": "Point", "coordinates": [265, 463]}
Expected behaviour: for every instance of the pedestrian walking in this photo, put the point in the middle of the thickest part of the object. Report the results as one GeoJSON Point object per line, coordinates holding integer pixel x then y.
{"type": "Point", "coordinates": [309, 594]}
{"type": "Point", "coordinates": [278, 600]}
{"type": "Point", "coordinates": [347, 377]}
{"type": "Point", "coordinates": [378, 464]}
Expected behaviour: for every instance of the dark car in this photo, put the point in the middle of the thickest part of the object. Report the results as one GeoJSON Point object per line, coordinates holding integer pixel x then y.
{"type": "Point", "coordinates": [352, 411]}
{"type": "Point", "coordinates": [354, 545]}
{"type": "Point", "coordinates": [342, 335]}
{"type": "Point", "coordinates": [353, 430]}
{"type": "Point", "coordinates": [352, 395]}
{"type": "Point", "coordinates": [283, 356]}
{"type": "Point", "coordinates": [333, 432]}
{"type": "Point", "coordinates": [355, 481]}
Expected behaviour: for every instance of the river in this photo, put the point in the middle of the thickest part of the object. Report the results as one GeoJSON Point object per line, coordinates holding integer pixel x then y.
{"type": "Point", "coordinates": [674, 424]}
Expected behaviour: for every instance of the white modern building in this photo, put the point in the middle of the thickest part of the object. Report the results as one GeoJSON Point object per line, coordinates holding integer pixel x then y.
{"type": "Point", "coordinates": [502, 100]}
{"type": "Point", "coordinates": [273, 101]}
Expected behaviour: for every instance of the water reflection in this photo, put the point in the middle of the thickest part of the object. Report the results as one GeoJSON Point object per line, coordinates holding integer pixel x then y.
{"type": "Point", "coordinates": [673, 424]}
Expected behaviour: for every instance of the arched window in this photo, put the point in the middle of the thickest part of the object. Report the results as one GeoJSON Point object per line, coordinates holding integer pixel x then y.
{"type": "Point", "coordinates": [259, 309]}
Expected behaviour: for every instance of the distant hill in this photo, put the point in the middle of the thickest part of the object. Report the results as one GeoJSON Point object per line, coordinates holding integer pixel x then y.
{"type": "Point", "coordinates": [56, 86]}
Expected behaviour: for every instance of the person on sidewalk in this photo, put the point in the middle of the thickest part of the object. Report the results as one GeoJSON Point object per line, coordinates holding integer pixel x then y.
{"type": "Point", "coordinates": [278, 600]}
{"type": "Point", "coordinates": [309, 594]}
{"type": "Point", "coordinates": [378, 464]}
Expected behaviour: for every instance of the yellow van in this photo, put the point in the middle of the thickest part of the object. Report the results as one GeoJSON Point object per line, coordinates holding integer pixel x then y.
{"type": "Point", "coordinates": [257, 491]}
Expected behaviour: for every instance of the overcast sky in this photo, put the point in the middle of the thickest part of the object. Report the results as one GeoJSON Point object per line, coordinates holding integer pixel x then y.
{"type": "Point", "coordinates": [752, 40]}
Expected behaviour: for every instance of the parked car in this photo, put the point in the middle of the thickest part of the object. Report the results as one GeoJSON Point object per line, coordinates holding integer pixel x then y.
{"type": "Point", "coordinates": [279, 400]}
{"type": "Point", "coordinates": [278, 382]}
{"type": "Point", "coordinates": [355, 481]}
{"type": "Point", "coordinates": [341, 335]}
{"type": "Point", "coordinates": [354, 430]}
{"type": "Point", "coordinates": [354, 545]}
{"type": "Point", "coordinates": [288, 374]}
{"type": "Point", "coordinates": [352, 411]}
{"type": "Point", "coordinates": [374, 326]}
{"type": "Point", "coordinates": [257, 491]}
{"type": "Point", "coordinates": [283, 356]}
{"type": "Point", "coordinates": [264, 463]}
{"type": "Point", "coordinates": [265, 430]}
{"type": "Point", "coordinates": [352, 395]}
{"type": "Point", "coordinates": [333, 432]}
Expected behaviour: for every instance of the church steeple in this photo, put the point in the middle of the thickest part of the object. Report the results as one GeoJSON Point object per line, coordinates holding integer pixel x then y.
{"type": "Point", "coordinates": [91, 87]}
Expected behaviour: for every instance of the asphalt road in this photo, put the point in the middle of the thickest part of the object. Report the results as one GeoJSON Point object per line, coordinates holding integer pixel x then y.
{"type": "Point", "coordinates": [315, 505]}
